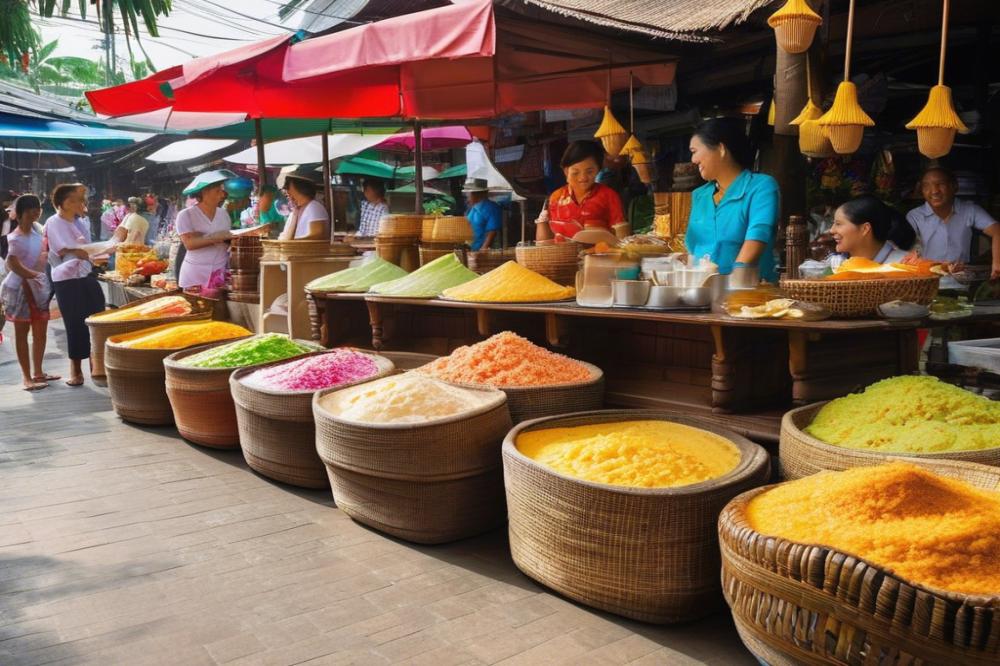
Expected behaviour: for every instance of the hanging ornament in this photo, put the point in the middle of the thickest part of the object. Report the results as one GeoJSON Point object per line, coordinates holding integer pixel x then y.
{"type": "Point", "coordinates": [637, 155]}
{"type": "Point", "coordinates": [770, 113]}
{"type": "Point", "coordinates": [846, 121]}
{"type": "Point", "coordinates": [611, 133]}
{"type": "Point", "coordinates": [795, 26]}
{"type": "Point", "coordinates": [937, 122]}
{"type": "Point", "coordinates": [812, 141]}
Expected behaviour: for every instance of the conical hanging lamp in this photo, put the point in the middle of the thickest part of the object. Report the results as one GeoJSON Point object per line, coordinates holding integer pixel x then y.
{"type": "Point", "coordinates": [632, 148]}
{"type": "Point", "coordinates": [937, 123]}
{"type": "Point", "coordinates": [795, 26]}
{"type": "Point", "coordinates": [771, 113]}
{"type": "Point", "coordinates": [846, 121]}
{"type": "Point", "coordinates": [813, 142]}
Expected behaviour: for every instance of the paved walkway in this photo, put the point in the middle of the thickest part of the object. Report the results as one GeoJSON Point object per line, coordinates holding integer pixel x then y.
{"type": "Point", "coordinates": [127, 545]}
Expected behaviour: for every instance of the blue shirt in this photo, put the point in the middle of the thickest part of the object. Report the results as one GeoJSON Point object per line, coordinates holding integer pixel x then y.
{"type": "Point", "coordinates": [748, 211]}
{"type": "Point", "coordinates": [951, 240]}
{"type": "Point", "coordinates": [484, 217]}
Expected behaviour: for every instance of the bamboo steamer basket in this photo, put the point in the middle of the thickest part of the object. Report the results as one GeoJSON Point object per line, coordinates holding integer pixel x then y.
{"type": "Point", "coordinates": [485, 261]}
{"type": "Point", "coordinates": [100, 331]}
{"type": "Point", "coordinates": [400, 251]}
{"type": "Point", "coordinates": [136, 382]}
{"type": "Point", "coordinates": [284, 250]}
{"type": "Point", "coordinates": [245, 253]}
{"type": "Point", "coordinates": [446, 229]}
{"type": "Point", "coordinates": [202, 401]}
{"type": "Point", "coordinates": [244, 280]}
{"type": "Point", "coordinates": [276, 429]}
{"type": "Point", "coordinates": [650, 554]}
{"type": "Point", "coordinates": [797, 603]}
{"type": "Point", "coordinates": [558, 261]}
{"type": "Point", "coordinates": [400, 225]}
{"type": "Point", "coordinates": [427, 483]}
{"type": "Point", "coordinates": [860, 298]}
{"type": "Point", "coordinates": [802, 454]}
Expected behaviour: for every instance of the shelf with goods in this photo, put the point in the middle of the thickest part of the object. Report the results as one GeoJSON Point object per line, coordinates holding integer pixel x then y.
{"type": "Point", "coordinates": [289, 277]}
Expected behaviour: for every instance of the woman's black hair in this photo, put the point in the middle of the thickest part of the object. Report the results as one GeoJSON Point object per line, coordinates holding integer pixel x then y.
{"type": "Point", "coordinates": [61, 192]}
{"type": "Point", "coordinates": [578, 151]}
{"type": "Point", "coordinates": [887, 223]}
{"type": "Point", "coordinates": [728, 132]}
{"type": "Point", "coordinates": [375, 184]}
{"type": "Point", "coordinates": [303, 186]}
{"type": "Point", "coordinates": [26, 202]}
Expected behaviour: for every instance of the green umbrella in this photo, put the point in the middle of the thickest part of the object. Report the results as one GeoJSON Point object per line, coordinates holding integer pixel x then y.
{"type": "Point", "coordinates": [457, 171]}
{"type": "Point", "coordinates": [359, 166]}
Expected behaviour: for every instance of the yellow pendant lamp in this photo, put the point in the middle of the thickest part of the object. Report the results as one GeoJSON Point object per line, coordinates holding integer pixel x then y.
{"type": "Point", "coordinates": [611, 133]}
{"type": "Point", "coordinates": [812, 141]}
{"type": "Point", "coordinates": [937, 123]}
{"type": "Point", "coordinates": [795, 26]}
{"type": "Point", "coordinates": [846, 121]}
{"type": "Point", "coordinates": [637, 155]}
{"type": "Point", "coordinates": [770, 113]}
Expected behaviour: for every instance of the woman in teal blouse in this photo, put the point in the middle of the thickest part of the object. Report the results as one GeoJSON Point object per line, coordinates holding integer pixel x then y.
{"type": "Point", "coordinates": [735, 214]}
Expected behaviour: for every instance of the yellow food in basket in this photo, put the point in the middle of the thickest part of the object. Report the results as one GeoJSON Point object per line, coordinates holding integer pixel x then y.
{"type": "Point", "coordinates": [639, 454]}
{"type": "Point", "coordinates": [927, 528]}
{"type": "Point", "coordinates": [158, 308]}
{"type": "Point", "coordinates": [178, 336]}
{"type": "Point", "coordinates": [406, 398]}
{"type": "Point", "coordinates": [510, 283]}
{"type": "Point", "coordinates": [910, 414]}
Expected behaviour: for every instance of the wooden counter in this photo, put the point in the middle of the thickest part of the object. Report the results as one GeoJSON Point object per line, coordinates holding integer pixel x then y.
{"type": "Point", "coordinates": [749, 370]}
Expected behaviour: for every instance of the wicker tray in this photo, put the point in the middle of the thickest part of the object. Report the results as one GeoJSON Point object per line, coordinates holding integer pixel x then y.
{"type": "Point", "coordinates": [100, 331]}
{"type": "Point", "coordinates": [283, 250]}
{"type": "Point", "coordinates": [803, 455]}
{"type": "Point", "coordinates": [558, 261]}
{"type": "Point", "coordinates": [860, 298]}
{"type": "Point", "coordinates": [647, 554]}
{"type": "Point", "coordinates": [276, 429]}
{"type": "Point", "coordinates": [427, 483]}
{"type": "Point", "coordinates": [446, 229]}
{"type": "Point", "coordinates": [485, 261]}
{"type": "Point", "coordinates": [202, 401]}
{"type": "Point", "coordinates": [803, 604]}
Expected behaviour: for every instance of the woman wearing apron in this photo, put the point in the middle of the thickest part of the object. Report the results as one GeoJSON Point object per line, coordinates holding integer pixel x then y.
{"type": "Point", "coordinates": [204, 231]}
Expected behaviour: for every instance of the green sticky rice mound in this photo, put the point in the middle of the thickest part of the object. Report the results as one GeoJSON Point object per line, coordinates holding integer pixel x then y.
{"type": "Point", "coordinates": [429, 280]}
{"type": "Point", "coordinates": [359, 278]}
{"type": "Point", "coordinates": [252, 351]}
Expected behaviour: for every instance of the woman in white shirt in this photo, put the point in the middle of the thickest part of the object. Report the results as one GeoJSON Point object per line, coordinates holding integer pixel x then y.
{"type": "Point", "coordinates": [133, 230]}
{"type": "Point", "coordinates": [204, 230]}
{"type": "Point", "coordinates": [75, 284]}
{"type": "Point", "coordinates": [310, 220]}
{"type": "Point", "coordinates": [866, 227]}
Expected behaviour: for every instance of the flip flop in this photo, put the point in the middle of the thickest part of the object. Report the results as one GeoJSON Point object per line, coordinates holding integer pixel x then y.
{"type": "Point", "coordinates": [75, 382]}
{"type": "Point", "coordinates": [36, 387]}
{"type": "Point", "coordinates": [45, 378]}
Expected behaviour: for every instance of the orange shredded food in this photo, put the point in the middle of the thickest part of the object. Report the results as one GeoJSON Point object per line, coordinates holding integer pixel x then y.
{"type": "Point", "coordinates": [507, 360]}
{"type": "Point", "coordinates": [927, 528]}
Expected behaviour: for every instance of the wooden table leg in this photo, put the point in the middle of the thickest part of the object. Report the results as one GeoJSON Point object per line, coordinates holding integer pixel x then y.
{"type": "Point", "coordinates": [375, 319]}
{"type": "Point", "coordinates": [484, 323]}
{"type": "Point", "coordinates": [317, 320]}
{"type": "Point", "coordinates": [556, 330]}
{"type": "Point", "coordinates": [723, 374]}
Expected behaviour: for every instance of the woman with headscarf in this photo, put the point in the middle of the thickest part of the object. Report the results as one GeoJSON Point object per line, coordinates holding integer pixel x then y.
{"type": "Point", "coordinates": [204, 231]}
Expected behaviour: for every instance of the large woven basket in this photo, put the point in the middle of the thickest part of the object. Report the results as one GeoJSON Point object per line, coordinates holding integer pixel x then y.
{"type": "Point", "coordinates": [558, 261]}
{"type": "Point", "coordinates": [860, 298]}
{"type": "Point", "coordinates": [283, 250]}
{"type": "Point", "coordinates": [402, 226]}
{"type": "Point", "coordinates": [240, 280]}
{"type": "Point", "coordinates": [245, 253]}
{"type": "Point", "coordinates": [797, 604]}
{"type": "Point", "coordinates": [100, 331]}
{"type": "Point", "coordinates": [202, 401]}
{"type": "Point", "coordinates": [484, 261]}
{"type": "Point", "coordinates": [405, 360]}
{"type": "Point", "coordinates": [136, 383]}
{"type": "Point", "coordinates": [427, 483]}
{"type": "Point", "coordinates": [647, 554]}
{"type": "Point", "coordinates": [802, 454]}
{"type": "Point", "coordinates": [446, 229]}
{"type": "Point", "coordinates": [400, 251]}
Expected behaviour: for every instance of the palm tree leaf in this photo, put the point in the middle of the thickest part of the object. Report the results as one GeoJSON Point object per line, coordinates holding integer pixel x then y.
{"type": "Point", "coordinates": [47, 50]}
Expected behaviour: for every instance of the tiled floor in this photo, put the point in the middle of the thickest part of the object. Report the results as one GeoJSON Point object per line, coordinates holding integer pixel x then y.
{"type": "Point", "coordinates": [126, 545]}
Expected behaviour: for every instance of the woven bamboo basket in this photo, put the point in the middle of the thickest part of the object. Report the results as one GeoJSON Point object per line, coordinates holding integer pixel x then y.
{"type": "Point", "coordinates": [100, 331]}
{"type": "Point", "coordinates": [243, 296]}
{"type": "Point", "coordinates": [202, 401]}
{"type": "Point", "coordinates": [136, 383]}
{"type": "Point", "coordinates": [401, 226]}
{"type": "Point", "coordinates": [797, 604]}
{"type": "Point", "coordinates": [846, 139]}
{"type": "Point", "coordinates": [795, 35]}
{"type": "Point", "coordinates": [935, 142]}
{"type": "Point", "coordinates": [405, 360]}
{"type": "Point", "coordinates": [245, 253]}
{"type": "Point", "coordinates": [446, 229]}
{"type": "Point", "coordinates": [431, 251]}
{"type": "Point", "coordinates": [802, 454]}
{"type": "Point", "coordinates": [860, 298]}
{"type": "Point", "coordinates": [283, 250]}
{"type": "Point", "coordinates": [244, 280]}
{"type": "Point", "coordinates": [400, 251]}
{"type": "Point", "coordinates": [276, 429]}
{"type": "Point", "coordinates": [558, 261]}
{"type": "Point", "coordinates": [426, 483]}
{"type": "Point", "coordinates": [647, 554]}
{"type": "Point", "coordinates": [485, 261]}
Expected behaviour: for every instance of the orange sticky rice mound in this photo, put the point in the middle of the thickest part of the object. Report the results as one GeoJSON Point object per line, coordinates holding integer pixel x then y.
{"type": "Point", "coordinates": [927, 528]}
{"type": "Point", "coordinates": [507, 360]}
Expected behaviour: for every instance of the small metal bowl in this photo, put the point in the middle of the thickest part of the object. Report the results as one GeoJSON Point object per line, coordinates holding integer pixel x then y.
{"type": "Point", "coordinates": [630, 292]}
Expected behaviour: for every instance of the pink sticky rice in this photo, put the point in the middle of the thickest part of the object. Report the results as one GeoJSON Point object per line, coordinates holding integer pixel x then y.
{"type": "Point", "coordinates": [314, 373]}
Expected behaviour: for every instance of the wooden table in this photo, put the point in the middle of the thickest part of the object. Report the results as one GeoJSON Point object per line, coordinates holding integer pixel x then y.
{"type": "Point", "coordinates": [749, 370]}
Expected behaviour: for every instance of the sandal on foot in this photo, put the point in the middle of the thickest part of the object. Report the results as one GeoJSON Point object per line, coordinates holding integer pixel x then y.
{"type": "Point", "coordinates": [36, 387]}
{"type": "Point", "coordinates": [46, 378]}
{"type": "Point", "coordinates": [75, 381]}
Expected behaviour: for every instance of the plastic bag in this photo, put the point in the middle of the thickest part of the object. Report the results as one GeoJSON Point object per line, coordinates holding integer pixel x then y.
{"type": "Point", "coordinates": [810, 269]}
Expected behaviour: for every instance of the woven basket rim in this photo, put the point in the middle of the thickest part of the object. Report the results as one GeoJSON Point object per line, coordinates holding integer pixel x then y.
{"type": "Point", "coordinates": [740, 502]}
{"type": "Point", "coordinates": [788, 421]}
{"type": "Point", "coordinates": [750, 453]}
{"type": "Point", "coordinates": [500, 399]}
{"type": "Point", "coordinates": [380, 361]}
{"type": "Point", "coordinates": [112, 342]}
{"type": "Point", "coordinates": [596, 375]}
{"type": "Point", "coordinates": [199, 306]}
{"type": "Point", "coordinates": [173, 361]}
{"type": "Point", "coordinates": [923, 278]}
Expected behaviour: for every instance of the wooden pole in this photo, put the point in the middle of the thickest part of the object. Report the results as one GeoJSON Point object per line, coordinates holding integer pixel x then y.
{"type": "Point", "coordinates": [418, 165]}
{"type": "Point", "coordinates": [327, 187]}
{"type": "Point", "coordinates": [850, 41]}
{"type": "Point", "coordinates": [944, 41]}
{"type": "Point", "coordinates": [261, 163]}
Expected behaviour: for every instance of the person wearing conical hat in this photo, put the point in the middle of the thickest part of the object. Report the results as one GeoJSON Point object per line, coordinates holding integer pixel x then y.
{"type": "Point", "coordinates": [485, 217]}
{"type": "Point", "coordinates": [309, 220]}
{"type": "Point", "coordinates": [204, 230]}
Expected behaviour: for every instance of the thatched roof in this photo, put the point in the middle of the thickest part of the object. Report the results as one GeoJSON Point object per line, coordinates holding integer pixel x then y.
{"type": "Point", "coordinates": [658, 18]}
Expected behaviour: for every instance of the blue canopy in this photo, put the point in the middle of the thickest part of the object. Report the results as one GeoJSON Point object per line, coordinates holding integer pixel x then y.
{"type": "Point", "coordinates": [57, 132]}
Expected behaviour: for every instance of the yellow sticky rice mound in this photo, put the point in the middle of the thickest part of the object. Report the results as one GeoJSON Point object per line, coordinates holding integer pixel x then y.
{"type": "Point", "coordinates": [926, 528]}
{"type": "Point", "coordinates": [910, 415]}
{"type": "Point", "coordinates": [639, 454]}
{"type": "Point", "coordinates": [510, 283]}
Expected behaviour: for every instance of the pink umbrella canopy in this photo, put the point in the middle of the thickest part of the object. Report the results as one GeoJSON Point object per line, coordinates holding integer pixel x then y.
{"type": "Point", "coordinates": [432, 138]}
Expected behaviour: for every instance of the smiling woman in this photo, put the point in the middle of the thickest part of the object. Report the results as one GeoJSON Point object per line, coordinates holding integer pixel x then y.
{"type": "Point", "coordinates": [582, 202]}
